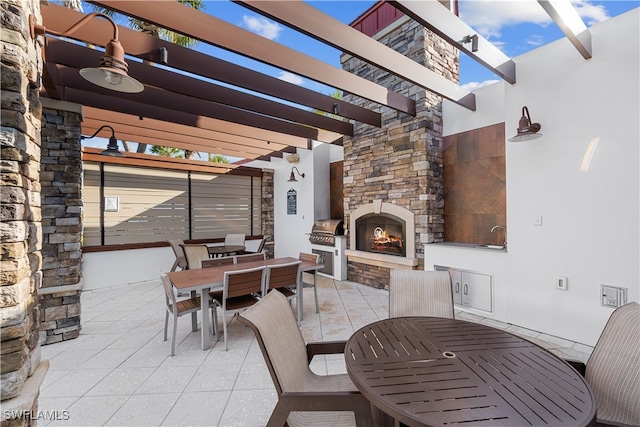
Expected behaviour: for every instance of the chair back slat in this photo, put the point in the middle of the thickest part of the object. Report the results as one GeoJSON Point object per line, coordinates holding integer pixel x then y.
{"type": "Point", "coordinates": [261, 245]}
{"type": "Point", "coordinates": [309, 257]}
{"type": "Point", "coordinates": [169, 292]}
{"type": "Point", "coordinates": [613, 369]}
{"type": "Point", "coordinates": [214, 262]}
{"type": "Point", "coordinates": [194, 254]}
{"type": "Point", "coordinates": [234, 239]}
{"type": "Point", "coordinates": [420, 293]}
{"type": "Point", "coordinates": [281, 275]}
{"type": "Point", "coordinates": [281, 341]}
{"type": "Point", "coordinates": [249, 258]}
{"type": "Point", "coordinates": [243, 282]}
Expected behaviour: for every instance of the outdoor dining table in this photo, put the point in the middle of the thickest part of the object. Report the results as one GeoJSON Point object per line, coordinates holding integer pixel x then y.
{"type": "Point", "coordinates": [224, 250]}
{"type": "Point", "coordinates": [203, 280]}
{"type": "Point", "coordinates": [428, 371]}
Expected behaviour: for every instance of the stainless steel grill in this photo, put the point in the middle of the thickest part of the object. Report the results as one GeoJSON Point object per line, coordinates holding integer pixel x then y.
{"type": "Point", "coordinates": [324, 231]}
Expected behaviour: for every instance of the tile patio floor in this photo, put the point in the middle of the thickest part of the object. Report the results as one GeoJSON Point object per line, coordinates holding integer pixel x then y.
{"type": "Point", "coordinates": [119, 372]}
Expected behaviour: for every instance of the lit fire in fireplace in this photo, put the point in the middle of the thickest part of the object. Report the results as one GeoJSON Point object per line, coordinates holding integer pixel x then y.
{"type": "Point", "coordinates": [382, 241]}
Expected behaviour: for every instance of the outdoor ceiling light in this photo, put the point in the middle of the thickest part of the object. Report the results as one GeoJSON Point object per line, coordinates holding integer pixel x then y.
{"type": "Point", "coordinates": [112, 73]}
{"type": "Point", "coordinates": [112, 147]}
{"type": "Point", "coordinates": [526, 129]}
{"type": "Point", "coordinates": [292, 178]}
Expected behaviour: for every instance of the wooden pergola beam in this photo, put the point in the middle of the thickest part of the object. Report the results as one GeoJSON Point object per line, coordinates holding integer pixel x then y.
{"type": "Point", "coordinates": [206, 28]}
{"type": "Point", "coordinates": [567, 19]}
{"type": "Point", "coordinates": [312, 22]}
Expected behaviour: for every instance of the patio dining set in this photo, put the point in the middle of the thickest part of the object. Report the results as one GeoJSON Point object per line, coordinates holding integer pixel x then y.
{"type": "Point", "coordinates": [419, 367]}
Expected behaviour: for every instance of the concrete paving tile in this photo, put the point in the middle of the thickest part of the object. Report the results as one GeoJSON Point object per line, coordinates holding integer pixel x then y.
{"type": "Point", "coordinates": [254, 376]}
{"type": "Point", "coordinates": [75, 383]}
{"type": "Point", "coordinates": [249, 408]}
{"type": "Point", "coordinates": [121, 382]}
{"type": "Point", "coordinates": [91, 411]}
{"type": "Point", "coordinates": [168, 379]}
{"type": "Point", "coordinates": [215, 377]}
{"type": "Point", "coordinates": [144, 410]}
{"type": "Point", "coordinates": [198, 409]}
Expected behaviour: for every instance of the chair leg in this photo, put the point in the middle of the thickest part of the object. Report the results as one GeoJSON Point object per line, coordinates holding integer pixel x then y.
{"type": "Point", "coordinates": [214, 321]}
{"type": "Point", "coordinates": [173, 338]}
{"type": "Point", "coordinates": [315, 293]}
{"type": "Point", "coordinates": [166, 323]}
{"type": "Point", "coordinates": [224, 326]}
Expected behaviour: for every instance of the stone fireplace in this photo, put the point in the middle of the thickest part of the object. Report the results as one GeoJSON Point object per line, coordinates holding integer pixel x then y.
{"type": "Point", "coordinates": [392, 176]}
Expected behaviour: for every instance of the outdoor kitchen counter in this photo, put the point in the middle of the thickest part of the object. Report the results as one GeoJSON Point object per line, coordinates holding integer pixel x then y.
{"type": "Point", "coordinates": [470, 258]}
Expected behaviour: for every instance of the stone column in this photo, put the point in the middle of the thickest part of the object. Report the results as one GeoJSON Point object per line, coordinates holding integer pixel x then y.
{"type": "Point", "coordinates": [267, 210]}
{"type": "Point", "coordinates": [61, 180]}
{"type": "Point", "coordinates": [20, 214]}
{"type": "Point", "coordinates": [401, 162]}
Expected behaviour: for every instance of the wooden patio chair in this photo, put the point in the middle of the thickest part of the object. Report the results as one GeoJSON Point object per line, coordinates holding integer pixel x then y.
{"type": "Point", "coordinates": [283, 277]}
{"type": "Point", "coordinates": [304, 398]}
{"type": "Point", "coordinates": [241, 290]}
{"type": "Point", "coordinates": [177, 308]}
{"type": "Point", "coordinates": [258, 250]}
{"type": "Point", "coordinates": [214, 262]}
{"type": "Point", "coordinates": [194, 253]}
{"type": "Point", "coordinates": [239, 259]}
{"type": "Point", "coordinates": [613, 369]}
{"type": "Point", "coordinates": [181, 261]}
{"type": "Point", "coordinates": [313, 258]}
{"type": "Point", "coordinates": [420, 293]}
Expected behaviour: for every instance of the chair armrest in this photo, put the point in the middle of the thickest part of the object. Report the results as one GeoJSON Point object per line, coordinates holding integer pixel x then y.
{"type": "Point", "coordinates": [351, 401]}
{"type": "Point", "coordinates": [577, 365]}
{"type": "Point", "coordinates": [325, 347]}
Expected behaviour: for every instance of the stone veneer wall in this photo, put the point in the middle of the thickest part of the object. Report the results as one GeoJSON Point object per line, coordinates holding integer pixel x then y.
{"type": "Point", "coordinates": [267, 210]}
{"type": "Point", "coordinates": [401, 162]}
{"type": "Point", "coordinates": [61, 179]}
{"type": "Point", "coordinates": [20, 213]}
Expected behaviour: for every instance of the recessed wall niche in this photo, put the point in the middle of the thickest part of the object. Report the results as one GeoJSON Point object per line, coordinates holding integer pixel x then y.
{"type": "Point", "coordinates": [475, 185]}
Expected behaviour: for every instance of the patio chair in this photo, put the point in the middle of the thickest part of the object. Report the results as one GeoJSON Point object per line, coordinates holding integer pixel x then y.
{"type": "Point", "coordinates": [283, 277]}
{"type": "Point", "coordinates": [258, 250]}
{"type": "Point", "coordinates": [241, 290]}
{"type": "Point", "coordinates": [214, 262]}
{"type": "Point", "coordinates": [613, 369]}
{"type": "Point", "coordinates": [180, 261]}
{"type": "Point", "coordinates": [234, 239]}
{"type": "Point", "coordinates": [194, 253]}
{"type": "Point", "coordinates": [249, 258]}
{"type": "Point", "coordinates": [177, 308]}
{"type": "Point", "coordinates": [313, 258]}
{"type": "Point", "coordinates": [420, 293]}
{"type": "Point", "coordinates": [304, 398]}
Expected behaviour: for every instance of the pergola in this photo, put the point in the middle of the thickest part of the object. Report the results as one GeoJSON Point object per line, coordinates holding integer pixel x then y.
{"type": "Point", "coordinates": [198, 114]}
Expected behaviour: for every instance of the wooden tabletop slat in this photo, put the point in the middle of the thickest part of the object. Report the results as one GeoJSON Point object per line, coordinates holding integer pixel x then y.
{"type": "Point", "coordinates": [436, 372]}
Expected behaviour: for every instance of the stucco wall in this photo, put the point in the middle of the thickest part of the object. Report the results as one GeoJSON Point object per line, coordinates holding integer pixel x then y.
{"type": "Point", "coordinates": [590, 228]}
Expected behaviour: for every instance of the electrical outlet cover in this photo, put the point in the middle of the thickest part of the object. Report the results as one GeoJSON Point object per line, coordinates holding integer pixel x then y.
{"type": "Point", "coordinates": [561, 283]}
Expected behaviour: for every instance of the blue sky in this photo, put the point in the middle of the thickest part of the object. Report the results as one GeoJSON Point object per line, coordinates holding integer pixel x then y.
{"type": "Point", "coordinates": [515, 26]}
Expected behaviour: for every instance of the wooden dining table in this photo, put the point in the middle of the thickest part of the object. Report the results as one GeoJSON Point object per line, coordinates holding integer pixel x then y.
{"type": "Point", "coordinates": [429, 371]}
{"type": "Point", "coordinates": [204, 280]}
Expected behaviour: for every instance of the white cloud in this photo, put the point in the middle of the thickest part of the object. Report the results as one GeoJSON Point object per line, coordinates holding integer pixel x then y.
{"type": "Point", "coordinates": [262, 26]}
{"type": "Point", "coordinates": [488, 17]}
{"type": "Point", "coordinates": [535, 40]}
{"type": "Point", "coordinates": [291, 78]}
{"type": "Point", "coordinates": [471, 86]}
{"type": "Point", "coordinates": [590, 13]}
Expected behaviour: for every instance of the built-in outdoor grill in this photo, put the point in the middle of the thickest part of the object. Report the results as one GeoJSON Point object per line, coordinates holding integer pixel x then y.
{"type": "Point", "coordinates": [324, 231]}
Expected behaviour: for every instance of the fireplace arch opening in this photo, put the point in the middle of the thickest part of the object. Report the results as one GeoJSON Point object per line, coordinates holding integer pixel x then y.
{"type": "Point", "coordinates": [381, 233]}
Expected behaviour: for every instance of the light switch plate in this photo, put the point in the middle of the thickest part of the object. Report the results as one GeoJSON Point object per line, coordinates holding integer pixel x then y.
{"type": "Point", "coordinates": [537, 220]}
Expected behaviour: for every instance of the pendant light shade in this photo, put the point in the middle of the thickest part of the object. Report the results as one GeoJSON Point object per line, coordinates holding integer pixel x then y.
{"type": "Point", "coordinates": [113, 70]}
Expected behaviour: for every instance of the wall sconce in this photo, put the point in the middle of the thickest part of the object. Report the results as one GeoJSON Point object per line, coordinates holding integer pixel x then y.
{"type": "Point", "coordinates": [471, 39]}
{"type": "Point", "coordinates": [526, 129]}
{"type": "Point", "coordinates": [292, 178]}
{"type": "Point", "coordinates": [112, 73]}
{"type": "Point", "coordinates": [112, 147]}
